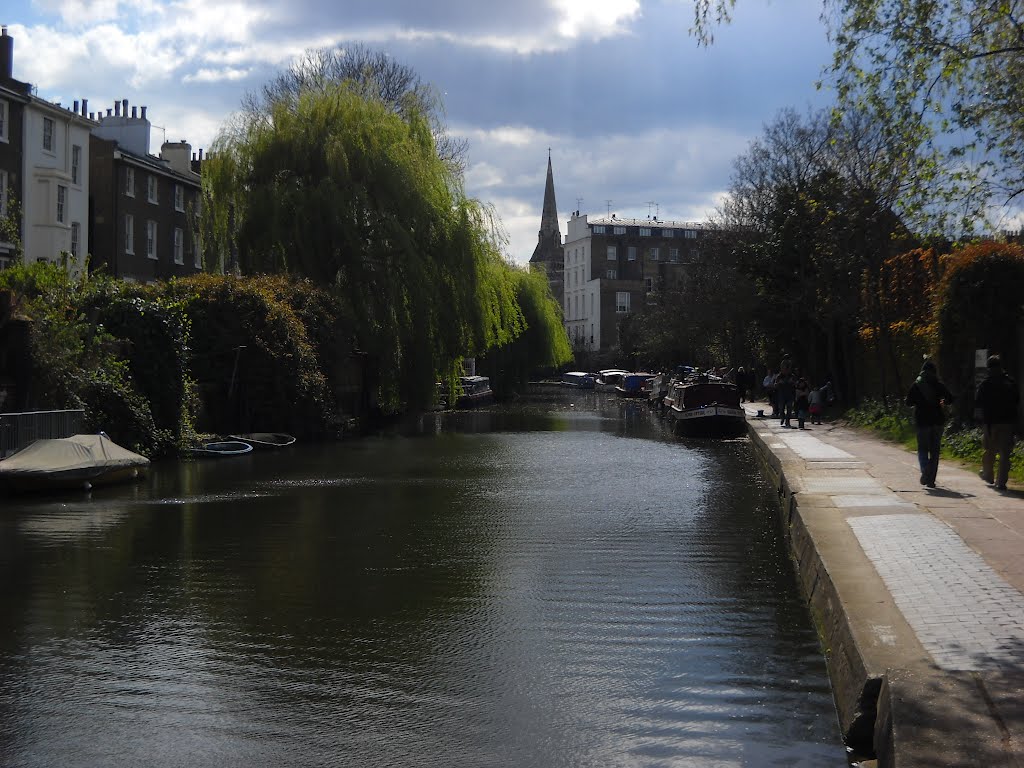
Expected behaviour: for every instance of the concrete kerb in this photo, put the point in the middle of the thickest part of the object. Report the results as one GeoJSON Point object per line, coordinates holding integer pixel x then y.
{"type": "Point", "coordinates": [862, 631]}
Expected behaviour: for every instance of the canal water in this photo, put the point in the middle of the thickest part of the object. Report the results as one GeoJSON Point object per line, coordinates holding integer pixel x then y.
{"type": "Point", "coordinates": [556, 582]}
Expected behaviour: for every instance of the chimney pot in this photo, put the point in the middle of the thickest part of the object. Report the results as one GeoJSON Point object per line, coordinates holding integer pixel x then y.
{"type": "Point", "coordinates": [85, 106]}
{"type": "Point", "coordinates": [109, 111]}
{"type": "Point", "coordinates": [6, 54]}
{"type": "Point", "coordinates": [143, 113]}
{"type": "Point", "coordinates": [134, 112]}
{"type": "Point", "coordinates": [75, 110]}
{"type": "Point", "coordinates": [124, 105]}
{"type": "Point", "coordinates": [117, 108]}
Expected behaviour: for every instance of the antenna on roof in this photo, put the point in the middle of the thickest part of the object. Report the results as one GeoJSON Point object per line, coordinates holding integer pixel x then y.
{"type": "Point", "coordinates": [609, 202]}
{"type": "Point", "coordinates": [649, 204]}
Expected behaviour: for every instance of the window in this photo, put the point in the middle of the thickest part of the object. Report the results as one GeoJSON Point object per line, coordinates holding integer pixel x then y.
{"type": "Point", "coordinates": [612, 253]}
{"type": "Point", "coordinates": [631, 253]}
{"type": "Point", "coordinates": [76, 231]}
{"type": "Point", "coordinates": [648, 284]}
{"type": "Point", "coordinates": [62, 198]}
{"type": "Point", "coordinates": [655, 254]}
{"type": "Point", "coordinates": [129, 233]}
{"type": "Point", "coordinates": [668, 233]}
{"type": "Point", "coordinates": [179, 246]}
{"type": "Point", "coordinates": [673, 254]}
{"type": "Point", "coordinates": [48, 134]}
{"type": "Point", "coordinates": [129, 182]}
{"type": "Point", "coordinates": [179, 197]}
{"type": "Point", "coordinates": [3, 121]}
{"type": "Point", "coordinates": [622, 301]}
{"type": "Point", "coordinates": [619, 230]}
{"type": "Point", "coordinates": [598, 229]}
{"type": "Point", "coordinates": [612, 274]}
{"type": "Point", "coordinates": [197, 249]}
{"type": "Point", "coordinates": [151, 189]}
{"type": "Point", "coordinates": [3, 193]}
{"type": "Point", "coordinates": [76, 164]}
{"type": "Point", "coordinates": [690, 234]}
{"type": "Point", "coordinates": [645, 231]}
{"type": "Point", "coordinates": [151, 239]}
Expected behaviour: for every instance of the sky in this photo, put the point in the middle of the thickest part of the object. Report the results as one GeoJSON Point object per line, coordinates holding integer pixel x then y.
{"type": "Point", "coordinates": [638, 118]}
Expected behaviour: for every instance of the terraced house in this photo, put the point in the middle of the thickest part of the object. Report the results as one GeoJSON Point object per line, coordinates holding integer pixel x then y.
{"type": "Point", "coordinates": [87, 189]}
{"type": "Point", "coordinates": [46, 169]}
{"type": "Point", "coordinates": [145, 207]}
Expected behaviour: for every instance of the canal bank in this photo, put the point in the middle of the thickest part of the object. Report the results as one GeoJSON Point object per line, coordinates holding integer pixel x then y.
{"type": "Point", "coordinates": [916, 593]}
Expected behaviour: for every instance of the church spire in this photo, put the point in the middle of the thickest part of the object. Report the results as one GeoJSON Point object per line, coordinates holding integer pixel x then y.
{"type": "Point", "coordinates": [549, 214]}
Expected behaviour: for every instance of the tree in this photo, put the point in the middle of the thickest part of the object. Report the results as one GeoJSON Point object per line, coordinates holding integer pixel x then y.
{"type": "Point", "coordinates": [946, 80]}
{"type": "Point", "coordinates": [808, 214]}
{"type": "Point", "coordinates": [945, 83]}
{"type": "Point", "coordinates": [543, 345]}
{"type": "Point", "coordinates": [336, 187]}
{"type": "Point", "coordinates": [375, 75]}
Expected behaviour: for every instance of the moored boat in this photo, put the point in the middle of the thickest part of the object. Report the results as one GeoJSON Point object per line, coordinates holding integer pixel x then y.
{"type": "Point", "coordinates": [76, 462]}
{"type": "Point", "coordinates": [264, 440]}
{"type": "Point", "coordinates": [476, 390]}
{"type": "Point", "coordinates": [704, 407]}
{"type": "Point", "coordinates": [220, 448]}
{"type": "Point", "coordinates": [610, 377]}
{"type": "Point", "coordinates": [634, 385]}
{"type": "Point", "coordinates": [578, 379]}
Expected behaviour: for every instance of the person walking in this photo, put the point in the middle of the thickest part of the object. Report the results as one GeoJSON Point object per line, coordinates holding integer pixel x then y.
{"type": "Point", "coordinates": [997, 397]}
{"type": "Point", "coordinates": [769, 387]}
{"type": "Point", "coordinates": [929, 397]}
{"type": "Point", "coordinates": [802, 393]}
{"type": "Point", "coordinates": [785, 388]}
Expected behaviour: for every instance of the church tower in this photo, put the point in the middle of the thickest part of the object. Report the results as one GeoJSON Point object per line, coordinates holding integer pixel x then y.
{"type": "Point", "coordinates": [548, 254]}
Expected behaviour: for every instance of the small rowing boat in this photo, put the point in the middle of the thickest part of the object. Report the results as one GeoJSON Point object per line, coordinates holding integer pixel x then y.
{"type": "Point", "coordinates": [220, 448]}
{"type": "Point", "coordinates": [265, 440]}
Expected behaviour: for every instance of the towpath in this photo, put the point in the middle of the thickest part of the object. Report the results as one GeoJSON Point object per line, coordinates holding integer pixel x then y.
{"type": "Point", "coordinates": [918, 593]}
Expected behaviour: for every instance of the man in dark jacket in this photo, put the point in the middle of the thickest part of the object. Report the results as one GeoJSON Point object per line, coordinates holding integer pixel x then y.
{"type": "Point", "coordinates": [997, 398]}
{"type": "Point", "coordinates": [929, 396]}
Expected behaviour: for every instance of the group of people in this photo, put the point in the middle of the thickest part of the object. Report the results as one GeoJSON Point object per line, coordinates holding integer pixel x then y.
{"type": "Point", "coordinates": [996, 399]}
{"type": "Point", "coordinates": [791, 396]}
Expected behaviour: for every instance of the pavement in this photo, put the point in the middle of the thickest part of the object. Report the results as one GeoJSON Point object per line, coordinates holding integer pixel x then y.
{"type": "Point", "coordinates": [918, 593]}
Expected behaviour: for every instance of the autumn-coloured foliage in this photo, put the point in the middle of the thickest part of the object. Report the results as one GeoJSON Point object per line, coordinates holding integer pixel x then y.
{"type": "Point", "coordinates": [979, 305]}
{"type": "Point", "coordinates": [905, 285]}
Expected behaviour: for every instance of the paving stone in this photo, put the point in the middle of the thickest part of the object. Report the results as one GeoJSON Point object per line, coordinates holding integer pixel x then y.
{"type": "Point", "coordinates": [846, 483]}
{"type": "Point", "coordinates": [936, 580]}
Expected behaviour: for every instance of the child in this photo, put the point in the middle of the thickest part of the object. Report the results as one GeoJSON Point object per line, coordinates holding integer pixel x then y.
{"type": "Point", "coordinates": [814, 401]}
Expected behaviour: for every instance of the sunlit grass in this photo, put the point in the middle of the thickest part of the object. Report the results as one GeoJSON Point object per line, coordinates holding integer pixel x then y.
{"type": "Point", "coordinates": [896, 423]}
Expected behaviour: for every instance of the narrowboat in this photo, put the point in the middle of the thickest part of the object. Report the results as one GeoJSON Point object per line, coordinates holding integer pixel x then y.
{"type": "Point", "coordinates": [475, 390]}
{"type": "Point", "coordinates": [634, 385]}
{"type": "Point", "coordinates": [704, 407]}
{"type": "Point", "coordinates": [578, 379]}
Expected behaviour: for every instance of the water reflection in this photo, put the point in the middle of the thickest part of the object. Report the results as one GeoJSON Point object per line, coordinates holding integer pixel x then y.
{"type": "Point", "coordinates": [558, 582]}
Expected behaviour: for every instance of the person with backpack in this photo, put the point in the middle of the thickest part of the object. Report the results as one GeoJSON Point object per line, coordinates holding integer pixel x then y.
{"type": "Point", "coordinates": [997, 397]}
{"type": "Point", "coordinates": [929, 397]}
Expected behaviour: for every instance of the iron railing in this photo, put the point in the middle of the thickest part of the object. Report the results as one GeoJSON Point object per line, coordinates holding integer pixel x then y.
{"type": "Point", "coordinates": [19, 429]}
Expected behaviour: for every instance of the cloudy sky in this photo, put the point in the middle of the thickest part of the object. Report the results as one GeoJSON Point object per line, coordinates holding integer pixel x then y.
{"type": "Point", "coordinates": [638, 118]}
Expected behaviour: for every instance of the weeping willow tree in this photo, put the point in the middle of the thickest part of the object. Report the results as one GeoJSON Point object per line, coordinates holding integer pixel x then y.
{"type": "Point", "coordinates": [337, 188]}
{"type": "Point", "coordinates": [542, 348]}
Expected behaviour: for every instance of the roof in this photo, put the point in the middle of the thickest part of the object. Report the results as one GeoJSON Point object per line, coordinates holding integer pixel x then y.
{"type": "Point", "coordinates": [617, 222]}
{"type": "Point", "coordinates": [154, 164]}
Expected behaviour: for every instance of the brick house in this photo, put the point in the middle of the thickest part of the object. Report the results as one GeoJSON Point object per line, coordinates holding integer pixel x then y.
{"type": "Point", "coordinates": [613, 266]}
{"type": "Point", "coordinates": [145, 208]}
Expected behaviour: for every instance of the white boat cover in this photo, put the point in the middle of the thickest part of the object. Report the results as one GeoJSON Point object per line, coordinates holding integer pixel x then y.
{"type": "Point", "coordinates": [79, 455]}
